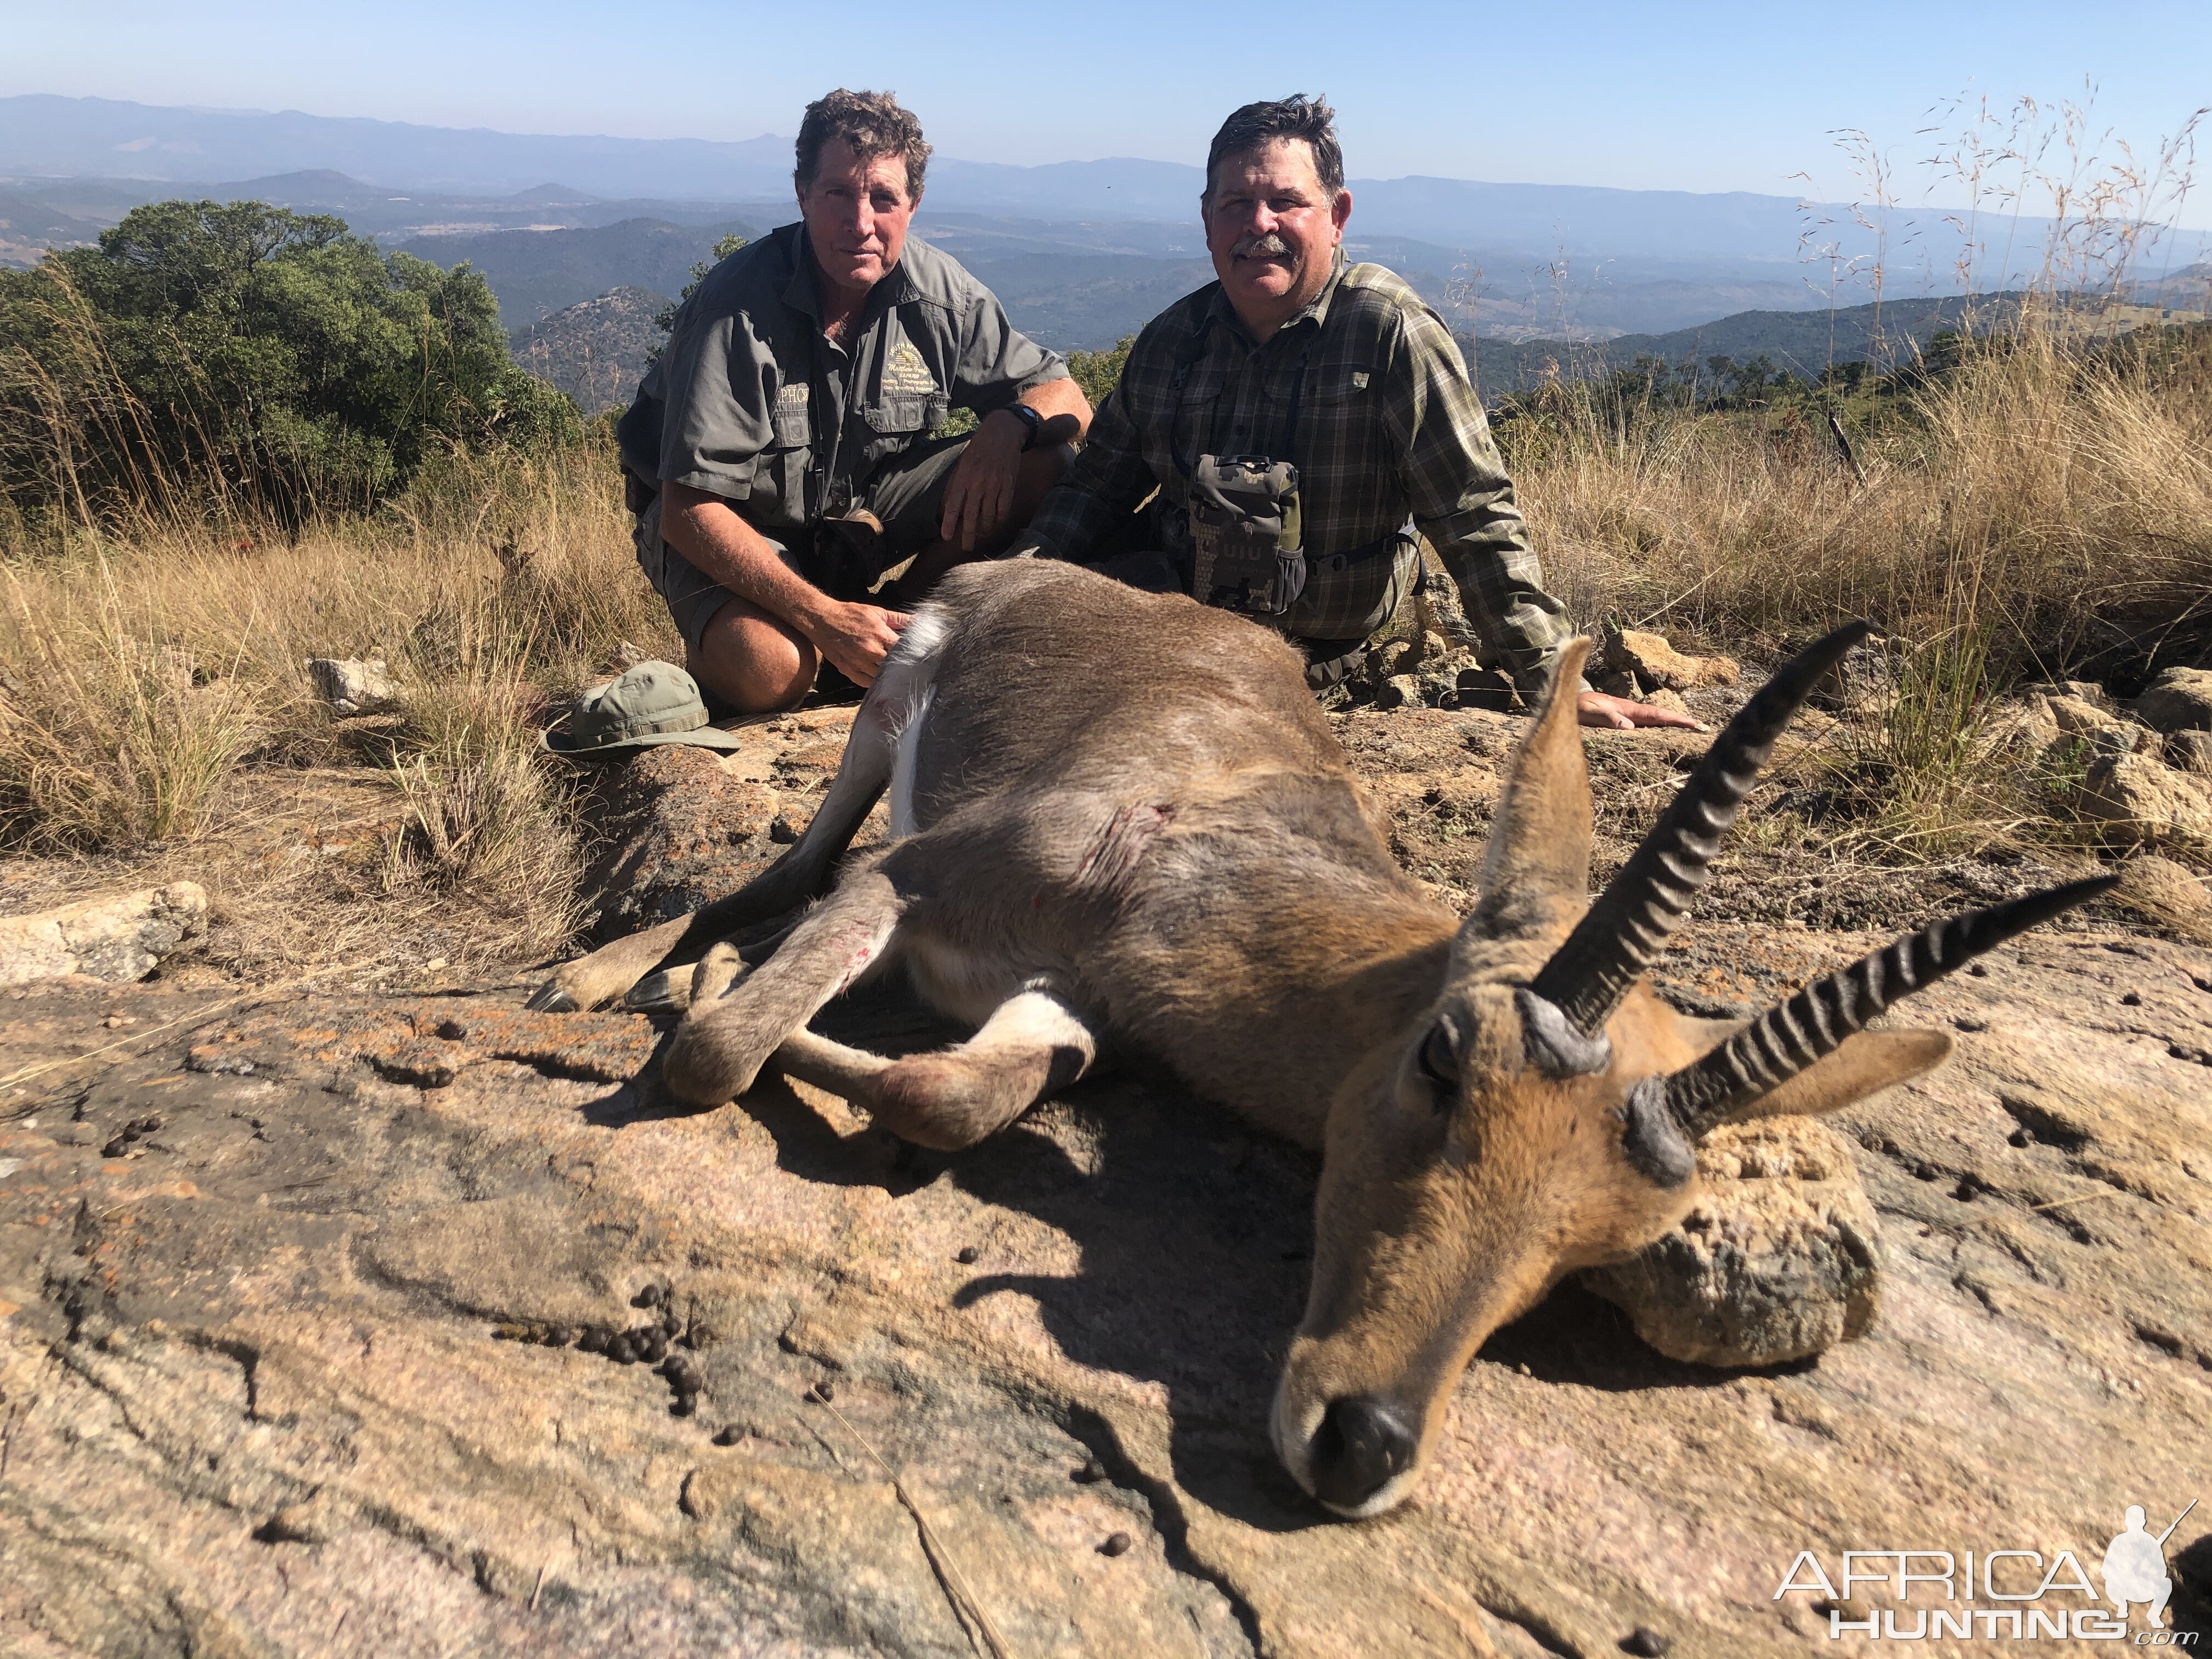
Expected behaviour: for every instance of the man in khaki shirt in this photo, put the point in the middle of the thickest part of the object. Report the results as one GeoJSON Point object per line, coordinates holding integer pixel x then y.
{"type": "Point", "coordinates": [787, 450]}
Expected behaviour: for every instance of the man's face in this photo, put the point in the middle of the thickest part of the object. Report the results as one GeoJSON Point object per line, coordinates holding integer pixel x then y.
{"type": "Point", "coordinates": [1272, 231]}
{"type": "Point", "coordinates": [857, 211]}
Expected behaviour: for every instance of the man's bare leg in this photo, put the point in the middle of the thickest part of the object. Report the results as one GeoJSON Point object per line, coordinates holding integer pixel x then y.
{"type": "Point", "coordinates": [753, 659]}
{"type": "Point", "coordinates": [1042, 468]}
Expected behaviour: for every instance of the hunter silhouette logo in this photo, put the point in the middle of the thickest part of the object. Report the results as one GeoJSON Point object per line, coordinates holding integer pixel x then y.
{"type": "Point", "coordinates": [2029, 1597]}
{"type": "Point", "coordinates": [2135, 1567]}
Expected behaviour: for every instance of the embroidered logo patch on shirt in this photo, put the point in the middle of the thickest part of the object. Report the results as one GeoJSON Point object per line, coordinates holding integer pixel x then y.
{"type": "Point", "coordinates": [905, 372]}
{"type": "Point", "coordinates": [792, 397]}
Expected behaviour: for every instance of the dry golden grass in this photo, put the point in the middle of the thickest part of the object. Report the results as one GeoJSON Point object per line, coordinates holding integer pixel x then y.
{"type": "Point", "coordinates": [2061, 507]}
{"type": "Point", "coordinates": [139, 679]}
{"type": "Point", "coordinates": [2036, 514]}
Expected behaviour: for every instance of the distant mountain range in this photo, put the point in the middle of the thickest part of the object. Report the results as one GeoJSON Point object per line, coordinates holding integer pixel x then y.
{"type": "Point", "coordinates": [1645, 235]}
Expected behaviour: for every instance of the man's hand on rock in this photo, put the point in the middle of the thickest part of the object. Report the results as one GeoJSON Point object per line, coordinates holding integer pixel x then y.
{"type": "Point", "coordinates": [855, 639]}
{"type": "Point", "coordinates": [1620, 713]}
{"type": "Point", "coordinates": [979, 495]}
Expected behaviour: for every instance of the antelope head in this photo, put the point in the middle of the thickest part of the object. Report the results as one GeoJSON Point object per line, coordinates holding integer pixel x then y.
{"type": "Point", "coordinates": [1542, 1114]}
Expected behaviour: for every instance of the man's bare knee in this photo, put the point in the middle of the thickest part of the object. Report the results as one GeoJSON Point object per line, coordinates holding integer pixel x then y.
{"type": "Point", "coordinates": [754, 660]}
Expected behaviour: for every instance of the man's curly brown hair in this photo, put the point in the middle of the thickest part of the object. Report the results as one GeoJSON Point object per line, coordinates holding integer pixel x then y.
{"type": "Point", "coordinates": [872, 123]}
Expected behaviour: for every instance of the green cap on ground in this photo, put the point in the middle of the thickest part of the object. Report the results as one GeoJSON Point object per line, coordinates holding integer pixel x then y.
{"type": "Point", "coordinates": [654, 703]}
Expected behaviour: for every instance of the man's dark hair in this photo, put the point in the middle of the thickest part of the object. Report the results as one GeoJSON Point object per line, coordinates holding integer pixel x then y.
{"type": "Point", "coordinates": [872, 123]}
{"type": "Point", "coordinates": [1295, 117]}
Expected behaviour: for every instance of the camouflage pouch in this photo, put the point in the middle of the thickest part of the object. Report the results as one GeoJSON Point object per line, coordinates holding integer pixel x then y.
{"type": "Point", "coordinates": [1248, 552]}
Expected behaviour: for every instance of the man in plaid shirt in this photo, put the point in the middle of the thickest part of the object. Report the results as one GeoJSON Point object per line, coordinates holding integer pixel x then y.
{"type": "Point", "coordinates": [1343, 371]}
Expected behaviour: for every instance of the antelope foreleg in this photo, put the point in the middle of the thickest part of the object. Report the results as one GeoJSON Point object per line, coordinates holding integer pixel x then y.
{"type": "Point", "coordinates": [1033, 1046]}
{"type": "Point", "coordinates": [729, 1033]}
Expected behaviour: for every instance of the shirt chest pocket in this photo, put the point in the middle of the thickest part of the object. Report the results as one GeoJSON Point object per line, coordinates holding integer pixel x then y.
{"type": "Point", "coordinates": [1343, 383]}
{"type": "Point", "coordinates": [907, 413]}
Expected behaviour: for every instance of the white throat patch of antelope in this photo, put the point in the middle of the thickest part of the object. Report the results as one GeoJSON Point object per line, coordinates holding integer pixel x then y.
{"type": "Point", "coordinates": [1133, 832]}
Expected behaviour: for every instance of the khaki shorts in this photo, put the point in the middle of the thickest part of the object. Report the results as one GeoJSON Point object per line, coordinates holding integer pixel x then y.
{"type": "Point", "coordinates": [906, 493]}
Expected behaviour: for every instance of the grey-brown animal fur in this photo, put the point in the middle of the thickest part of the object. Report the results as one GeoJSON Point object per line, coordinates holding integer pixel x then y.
{"type": "Point", "coordinates": [1121, 824]}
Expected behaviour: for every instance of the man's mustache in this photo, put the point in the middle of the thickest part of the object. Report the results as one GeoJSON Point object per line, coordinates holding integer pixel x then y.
{"type": "Point", "coordinates": [1266, 246]}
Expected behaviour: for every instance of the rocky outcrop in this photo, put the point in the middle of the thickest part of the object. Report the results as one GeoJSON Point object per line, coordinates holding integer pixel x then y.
{"type": "Point", "coordinates": [119, 938]}
{"type": "Point", "coordinates": [2180, 700]}
{"type": "Point", "coordinates": [302, 1303]}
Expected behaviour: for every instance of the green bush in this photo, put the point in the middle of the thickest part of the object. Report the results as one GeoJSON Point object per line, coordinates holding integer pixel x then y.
{"type": "Point", "coordinates": [207, 359]}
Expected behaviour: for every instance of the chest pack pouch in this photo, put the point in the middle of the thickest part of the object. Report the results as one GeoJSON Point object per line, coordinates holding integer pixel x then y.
{"type": "Point", "coordinates": [1247, 544]}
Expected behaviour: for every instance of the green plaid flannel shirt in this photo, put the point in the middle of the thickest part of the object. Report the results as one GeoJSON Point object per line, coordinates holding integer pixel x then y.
{"type": "Point", "coordinates": [1388, 427]}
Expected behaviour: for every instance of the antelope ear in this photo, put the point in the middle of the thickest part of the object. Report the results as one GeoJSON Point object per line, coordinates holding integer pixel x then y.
{"type": "Point", "coordinates": [1535, 873]}
{"type": "Point", "coordinates": [1865, 1064]}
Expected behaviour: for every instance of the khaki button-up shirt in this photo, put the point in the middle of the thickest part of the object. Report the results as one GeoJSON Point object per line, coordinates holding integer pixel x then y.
{"type": "Point", "coordinates": [748, 401]}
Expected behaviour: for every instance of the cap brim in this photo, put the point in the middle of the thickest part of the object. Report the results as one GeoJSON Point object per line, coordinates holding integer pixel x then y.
{"type": "Point", "coordinates": [704, 736]}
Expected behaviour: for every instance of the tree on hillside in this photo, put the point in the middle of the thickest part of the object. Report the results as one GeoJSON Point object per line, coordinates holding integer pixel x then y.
{"type": "Point", "coordinates": [666, 321]}
{"type": "Point", "coordinates": [210, 357]}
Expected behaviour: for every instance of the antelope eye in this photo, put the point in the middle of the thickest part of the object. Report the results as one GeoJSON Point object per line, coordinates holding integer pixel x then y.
{"type": "Point", "coordinates": [1439, 1058]}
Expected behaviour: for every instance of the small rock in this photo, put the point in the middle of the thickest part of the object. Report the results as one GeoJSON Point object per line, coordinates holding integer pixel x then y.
{"type": "Point", "coordinates": [119, 939]}
{"type": "Point", "coordinates": [2135, 800]}
{"type": "Point", "coordinates": [353, 686]}
{"type": "Point", "coordinates": [1399, 691]}
{"type": "Point", "coordinates": [1657, 664]}
{"type": "Point", "coordinates": [2180, 700]}
{"type": "Point", "coordinates": [780, 831]}
{"type": "Point", "coordinates": [1646, 1644]}
{"type": "Point", "coordinates": [967, 1255]}
{"type": "Point", "coordinates": [2077, 717]}
{"type": "Point", "coordinates": [1779, 1260]}
{"type": "Point", "coordinates": [1116, 1544]}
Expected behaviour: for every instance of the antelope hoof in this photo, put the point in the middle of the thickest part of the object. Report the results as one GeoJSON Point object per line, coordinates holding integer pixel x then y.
{"type": "Point", "coordinates": [714, 1059]}
{"type": "Point", "coordinates": [1779, 1260]}
{"type": "Point", "coordinates": [552, 997]}
{"type": "Point", "coordinates": [667, 993]}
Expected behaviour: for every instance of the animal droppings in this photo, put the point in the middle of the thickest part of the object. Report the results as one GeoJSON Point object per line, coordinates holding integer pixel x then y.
{"type": "Point", "coordinates": [1092, 1472]}
{"type": "Point", "coordinates": [650, 1297]}
{"type": "Point", "coordinates": [511, 1333]}
{"type": "Point", "coordinates": [825, 1391]}
{"type": "Point", "coordinates": [728, 1435]}
{"type": "Point", "coordinates": [621, 1353]}
{"type": "Point", "coordinates": [594, 1340]}
{"type": "Point", "coordinates": [116, 1148]}
{"type": "Point", "coordinates": [684, 1405]}
{"type": "Point", "coordinates": [684, 1374]}
{"type": "Point", "coordinates": [1117, 1545]}
{"type": "Point", "coordinates": [558, 1336]}
{"type": "Point", "coordinates": [2133, 999]}
{"type": "Point", "coordinates": [1645, 1643]}
{"type": "Point", "coordinates": [967, 1255]}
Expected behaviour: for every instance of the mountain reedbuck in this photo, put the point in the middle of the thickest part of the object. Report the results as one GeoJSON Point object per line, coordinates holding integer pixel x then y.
{"type": "Point", "coordinates": [1119, 824]}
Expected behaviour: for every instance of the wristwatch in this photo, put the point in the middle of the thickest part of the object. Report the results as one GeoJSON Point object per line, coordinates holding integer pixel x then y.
{"type": "Point", "coordinates": [1030, 419]}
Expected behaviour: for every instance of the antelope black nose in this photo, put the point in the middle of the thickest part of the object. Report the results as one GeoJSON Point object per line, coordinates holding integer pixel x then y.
{"type": "Point", "coordinates": [1362, 1445]}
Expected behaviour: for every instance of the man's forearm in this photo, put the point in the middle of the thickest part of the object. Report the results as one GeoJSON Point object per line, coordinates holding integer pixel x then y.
{"type": "Point", "coordinates": [1061, 397]}
{"type": "Point", "coordinates": [706, 530]}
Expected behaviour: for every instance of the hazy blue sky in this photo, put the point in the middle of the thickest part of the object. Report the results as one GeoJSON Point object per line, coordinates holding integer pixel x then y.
{"type": "Point", "coordinates": [1693, 97]}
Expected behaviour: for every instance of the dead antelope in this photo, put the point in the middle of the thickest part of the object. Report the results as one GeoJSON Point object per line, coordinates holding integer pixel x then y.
{"type": "Point", "coordinates": [1119, 824]}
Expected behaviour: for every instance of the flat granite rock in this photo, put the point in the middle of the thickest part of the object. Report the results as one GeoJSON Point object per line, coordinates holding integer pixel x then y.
{"type": "Point", "coordinates": [252, 1402]}
{"type": "Point", "coordinates": [280, 1376]}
